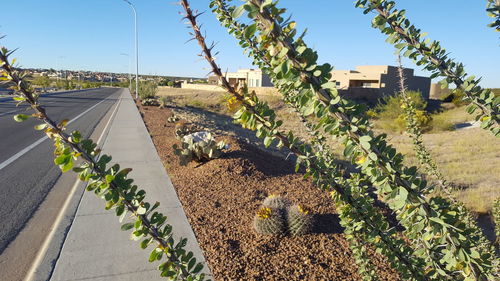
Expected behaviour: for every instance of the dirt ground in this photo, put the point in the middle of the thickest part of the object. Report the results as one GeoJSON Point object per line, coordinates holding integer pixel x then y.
{"type": "Point", "coordinates": [221, 197]}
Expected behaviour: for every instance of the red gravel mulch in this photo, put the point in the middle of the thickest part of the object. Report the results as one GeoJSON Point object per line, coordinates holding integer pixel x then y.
{"type": "Point", "coordinates": [221, 197]}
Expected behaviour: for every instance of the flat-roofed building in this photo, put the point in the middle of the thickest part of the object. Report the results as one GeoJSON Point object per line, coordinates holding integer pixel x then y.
{"type": "Point", "coordinates": [252, 77]}
{"type": "Point", "coordinates": [383, 78]}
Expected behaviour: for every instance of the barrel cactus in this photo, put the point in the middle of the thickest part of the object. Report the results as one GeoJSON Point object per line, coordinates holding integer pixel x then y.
{"type": "Point", "coordinates": [276, 201]}
{"type": "Point", "coordinates": [269, 221]}
{"type": "Point", "coordinates": [299, 220]}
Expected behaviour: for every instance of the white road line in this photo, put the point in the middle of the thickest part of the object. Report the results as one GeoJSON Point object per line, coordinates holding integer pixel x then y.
{"type": "Point", "coordinates": [41, 253]}
{"type": "Point", "coordinates": [33, 145]}
{"type": "Point", "coordinates": [21, 109]}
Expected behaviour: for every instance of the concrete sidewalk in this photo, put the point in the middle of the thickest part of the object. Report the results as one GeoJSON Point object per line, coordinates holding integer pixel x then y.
{"type": "Point", "coordinates": [95, 247]}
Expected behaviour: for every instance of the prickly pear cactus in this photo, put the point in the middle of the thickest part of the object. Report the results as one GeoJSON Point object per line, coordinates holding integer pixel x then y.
{"type": "Point", "coordinates": [150, 102]}
{"type": "Point", "coordinates": [299, 220]}
{"type": "Point", "coordinates": [276, 201]}
{"type": "Point", "coordinates": [269, 221]}
{"type": "Point", "coordinates": [173, 118]}
{"type": "Point", "coordinates": [199, 147]}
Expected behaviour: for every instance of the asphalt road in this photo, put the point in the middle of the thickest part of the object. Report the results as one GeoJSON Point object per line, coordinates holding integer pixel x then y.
{"type": "Point", "coordinates": [27, 170]}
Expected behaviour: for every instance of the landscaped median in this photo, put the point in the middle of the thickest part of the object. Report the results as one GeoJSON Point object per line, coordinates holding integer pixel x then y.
{"type": "Point", "coordinates": [221, 198]}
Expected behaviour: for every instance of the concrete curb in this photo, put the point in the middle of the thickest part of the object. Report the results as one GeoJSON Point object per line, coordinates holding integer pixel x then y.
{"type": "Point", "coordinates": [95, 247]}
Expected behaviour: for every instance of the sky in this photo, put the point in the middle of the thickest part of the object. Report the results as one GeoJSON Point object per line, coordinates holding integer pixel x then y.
{"type": "Point", "coordinates": [93, 35]}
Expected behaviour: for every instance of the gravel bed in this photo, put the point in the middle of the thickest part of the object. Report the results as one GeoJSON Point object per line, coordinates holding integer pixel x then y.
{"type": "Point", "coordinates": [221, 197]}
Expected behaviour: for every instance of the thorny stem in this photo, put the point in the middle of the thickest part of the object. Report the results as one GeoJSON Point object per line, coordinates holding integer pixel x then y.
{"type": "Point", "coordinates": [440, 64]}
{"type": "Point", "coordinates": [225, 84]}
{"type": "Point", "coordinates": [42, 115]}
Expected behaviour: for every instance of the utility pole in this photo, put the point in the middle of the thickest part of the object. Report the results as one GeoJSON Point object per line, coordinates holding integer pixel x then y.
{"type": "Point", "coordinates": [136, 50]}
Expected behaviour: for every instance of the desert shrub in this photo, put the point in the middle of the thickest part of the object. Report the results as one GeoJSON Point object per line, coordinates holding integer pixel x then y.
{"type": "Point", "coordinates": [391, 115]}
{"type": "Point", "coordinates": [148, 89]}
{"type": "Point", "coordinates": [164, 82]}
{"type": "Point", "coordinates": [163, 102]}
{"type": "Point", "coordinates": [199, 147]}
{"type": "Point", "coordinates": [150, 102]}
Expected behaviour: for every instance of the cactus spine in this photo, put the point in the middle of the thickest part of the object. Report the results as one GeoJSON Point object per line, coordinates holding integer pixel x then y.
{"type": "Point", "coordinates": [269, 221]}
{"type": "Point", "coordinates": [299, 220]}
{"type": "Point", "coordinates": [276, 201]}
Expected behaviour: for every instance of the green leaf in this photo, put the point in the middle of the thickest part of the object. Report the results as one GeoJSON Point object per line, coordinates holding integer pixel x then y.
{"type": "Point", "coordinates": [268, 141]}
{"type": "Point", "coordinates": [127, 226]}
{"type": "Point", "coordinates": [67, 166]}
{"type": "Point", "coordinates": [237, 12]}
{"type": "Point", "coordinates": [61, 159]}
{"type": "Point", "coordinates": [250, 30]}
{"type": "Point", "coordinates": [40, 127]}
{"type": "Point", "coordinates": [20, 117]}
{"type": "Point", "coordinates": [109, 178]}
{"type": "Point", "coordinates": [197, 268]}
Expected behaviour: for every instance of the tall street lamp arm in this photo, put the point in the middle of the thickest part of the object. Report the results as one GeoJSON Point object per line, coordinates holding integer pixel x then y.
{"type": "Point", "coordinates": [136, 50]}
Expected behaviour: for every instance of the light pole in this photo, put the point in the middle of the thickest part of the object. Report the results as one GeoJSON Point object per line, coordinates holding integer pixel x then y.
{"type": "Point", "coordinates": [129, 78]}
{"type": "Point", "coordinates": [136, 51]}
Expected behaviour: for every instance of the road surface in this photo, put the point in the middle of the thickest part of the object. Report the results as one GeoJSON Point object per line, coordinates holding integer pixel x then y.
{"type": "Point", "coordinates": [27, 171]}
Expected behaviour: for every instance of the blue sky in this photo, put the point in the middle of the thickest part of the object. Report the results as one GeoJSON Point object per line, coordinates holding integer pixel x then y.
{"type": "Point", "coordinates": [91, 35]}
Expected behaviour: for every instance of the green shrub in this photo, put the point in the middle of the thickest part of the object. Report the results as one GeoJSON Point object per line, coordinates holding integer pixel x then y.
{"type": "Point", "coordinates": [164, 101]}
{"type": "Point", "coordinates": [390, 113]}
{"type": "Point", "coordinates": [148, 89]}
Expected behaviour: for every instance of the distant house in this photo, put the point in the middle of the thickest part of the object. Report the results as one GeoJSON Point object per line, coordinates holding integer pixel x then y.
{"type": "Point", "coordinates": [252, 77]}
{"type": "Point", "coordinates": [378, 80]}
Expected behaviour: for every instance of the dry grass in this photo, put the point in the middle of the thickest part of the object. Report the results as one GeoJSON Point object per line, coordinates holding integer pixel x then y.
{"type": "Point", "coordinates": [468, 158]}
{"type": "Point", "coordinates": [445, 121]}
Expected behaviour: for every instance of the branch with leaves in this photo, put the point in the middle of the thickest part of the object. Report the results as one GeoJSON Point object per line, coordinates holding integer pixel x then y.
{"type": "Point", "coordinates": [293, 66]}
{"type": "Point", "coordinates": [493, 11]}
{"type": "Point", "coordinates": [413, 44]}
{"type": "Point", "coordinates": [358, 212]}
{"type": "Point", "coordinates": [108, 182]}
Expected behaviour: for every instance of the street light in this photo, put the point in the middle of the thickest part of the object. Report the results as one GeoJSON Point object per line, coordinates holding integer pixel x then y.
{"type": "Point", "coordinates": [136, 51]}
{"type": "Point", "coordinates": [129, 78]}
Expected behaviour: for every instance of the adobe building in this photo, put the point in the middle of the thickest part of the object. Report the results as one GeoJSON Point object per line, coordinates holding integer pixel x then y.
{"type": "Point", "coordinates": [374, 81]}
{"type": "Point", "coordinates": [252, 77]}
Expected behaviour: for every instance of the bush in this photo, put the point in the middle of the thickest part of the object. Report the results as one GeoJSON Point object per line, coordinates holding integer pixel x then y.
{"type": "Point", "coordinates": [164, 101]}
{"type": "Point", "coordinates": [391, 115]}
{"type": "Point", "coordinates": [148, 89]}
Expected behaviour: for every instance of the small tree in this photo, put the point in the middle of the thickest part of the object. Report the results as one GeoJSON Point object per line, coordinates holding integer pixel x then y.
{"type": "Point", "coordinates": [42, 81]}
